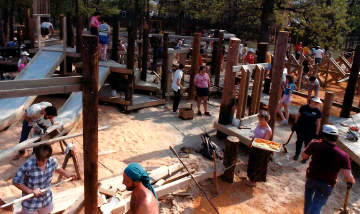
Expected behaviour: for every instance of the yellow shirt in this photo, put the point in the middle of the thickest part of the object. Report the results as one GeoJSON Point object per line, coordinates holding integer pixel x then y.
{"type": "Point", "coordinates": [306, 51]}
{"type": "Point", "coordinates": [268, 57]}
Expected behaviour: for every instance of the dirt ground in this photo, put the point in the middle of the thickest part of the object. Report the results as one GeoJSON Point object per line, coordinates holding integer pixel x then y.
{"type": "Point", "coordinates": [145, 136]}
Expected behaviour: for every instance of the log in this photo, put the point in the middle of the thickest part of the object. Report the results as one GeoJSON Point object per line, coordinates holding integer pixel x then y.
{"type": "Point", "coordinates": [145, 54]}
{"type": "Point", "coordinates": [243, 93]}
{"type": "Point", "coordinates": [165, 72]}
{"type": "Point", "coordinates": [215, 53]}
{"type": "Point", "coordinates": [351, 86]}
{"type": "Point", "coordinates": [225, 115]}
{"type": "Point", "coordinates": [326, 110]}
{"type": "Point", "coordinates": [218, 60]}
{"type": "Point", "coordinates": [130, 64]}
{"type": "Point", "coordinates": [276, 77]}
{"type": "Point", "coordinates": [194, 64]}
{"type": "Point", "coordinates": [230, 158]}
{"type": "Point", "coordinates": [90, 56]}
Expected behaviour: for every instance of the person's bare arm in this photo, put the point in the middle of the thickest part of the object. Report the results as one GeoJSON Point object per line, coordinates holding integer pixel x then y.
{"type": "Point", "coordinates": [66, 174]}
{"type": "Point", "coordinates": [268, 135]}
{"type": "Point", "coordinates": [27, 190]}
{"type": "Point", "coordinates": [178, 83]}
{"type": "Point", "coordinates": [297, 117]}
{"type": "Point", "coordinates": [27, 118]}
{"type": "Point", "coordinates": [348, 175]}
{"type": "Point", "coordinates": [52, 121]}
{"type": "Point", "coordinates": [318, 123]}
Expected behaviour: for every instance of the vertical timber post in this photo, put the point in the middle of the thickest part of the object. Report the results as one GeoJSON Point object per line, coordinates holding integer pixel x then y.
{"type": "Point", "coordinates": [90, 81]}
{"type": "Point", "coordinates": [165, 71]}
{"type": "Point", "coordinates": [277, 76]}
{"type": "Point", "coordinates": [214, 53]}
{"type": "Point", "coordinates": [230, 157]}
{"type": "Point", "coordinates": [350, 89]}
{"type": "Point", "coordinates": [219, 55]}
{"type": "Point", "coordinates": [229, 83]}
{"type": "Point", "coordinates": [130, 64]}
{"type": "Point", "coordinates": [194, 64]}
{"type": "Point", "coordinates": [79, 42]}
{"type": "Point", "coordinates": [326, 110]}
{"type": "Point", "coordinates": [145, 54]}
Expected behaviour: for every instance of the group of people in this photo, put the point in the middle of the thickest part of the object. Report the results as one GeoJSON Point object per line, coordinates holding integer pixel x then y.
{"type": "Point", "coordinates": [101, 29]}
{"type": "Point", "coordinates": [317, 52]}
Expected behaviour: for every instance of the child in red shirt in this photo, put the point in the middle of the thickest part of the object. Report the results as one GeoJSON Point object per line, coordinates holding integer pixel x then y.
{"type": "Point", "coordinates": [249, 58]}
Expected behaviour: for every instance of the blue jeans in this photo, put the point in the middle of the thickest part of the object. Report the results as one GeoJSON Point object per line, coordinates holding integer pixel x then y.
{"type": "Point", "coordinates": [25, 131]}
{"type": "Point", "coordinates": [316, 196]}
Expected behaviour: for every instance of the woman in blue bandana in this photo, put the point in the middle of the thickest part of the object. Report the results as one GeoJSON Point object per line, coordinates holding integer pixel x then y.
{"type": "Point", "coordinates": [143, 199]}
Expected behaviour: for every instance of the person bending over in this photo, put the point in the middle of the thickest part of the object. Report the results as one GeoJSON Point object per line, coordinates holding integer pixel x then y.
{"type": "Point", "coordinates": [143, 198]}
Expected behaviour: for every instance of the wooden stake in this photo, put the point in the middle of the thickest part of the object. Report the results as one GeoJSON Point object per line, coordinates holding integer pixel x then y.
{"type": "Point", "coordinates": [130, 64]}
{"type": "Point", "coordinates": [225, 115]}
{"type": "Point", "coordinates": [145, 54]}
{"type": "Point", "coordinates": [242, 96]}
{"type": "Point", "coordinates": [215, 53]}
{"type": "Point", "coordinates": [218, 60]}
{"type": "Point", "coordinates": [277, 76]}
{"type": "Point", "coordinates": [90, 56]}
{"type": "Point", "coordinates": [215, 172]}
{"type": "Point", "coordinates": [194, 64]}
{"type": "Point", "coordinates": [326, 110]}
{"type": "Point", "coordinates": [351, 86]}
{"type": "Point", "coordinates": [230, 158]}
{"type": "Point", "coordinates": [38, 27]}
{"type": "Point", "coordinates": [165, 71]}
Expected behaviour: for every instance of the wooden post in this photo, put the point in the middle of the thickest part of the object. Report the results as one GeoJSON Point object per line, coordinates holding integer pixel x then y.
{"type": "Point", "coordinates": [63, 70]}
{"type": "Point", "coordinates": [79, 30]}
{"type": "Point", "coordinates": [262, 50]}
{"type": "Point", "coordinates": [27, 24]}
{"type": "Point", "coordinates": [255, 94]}
{"type": "Point", "coordinates": [326, 110]}
{"type": "Point", "coordinates": [140, 48]}
{"type": "Point", "coordinates": [165, 71]}
{"type": "Point", "coordinates": [61, 26]}
{"type": "Point", "coordinates": [90, 80]}
{"type": "Point", "coordinates": [276, 78]}
{"type": "Point", "coordinates": [219, 55]}
{"type": "Point", "coordinates": [145, 54]}
{"type": "Point", "coordinates": [183, 59]}
{"type": "Point", "coordinates": [19, 35]}
{"type": "Point", "coordinates": [215, 172]}
{"type": "Point", "coordinates": [327, 70]}
{"type": "Point", "coordinates": [242, 96]}
{"type": "Point", "coordinates": [115, 37]}
{"type": "Point", "coordinates": [38, 27]}
{"type": "Point", "coordinates": [351, 86]}
{"type": "Point", "coordinates": [32, 35]}
{"type": "Point", "coordinates": [300, 77]}
{"type": "Point", "coordinates": [230, 158]}
{"type": "Point", "coordinates": [69, 29]}
{"type": "Point", "coordinates": [225, 115]}
{"type": "Point", "coordinates": [214, 53]}
{"type": "Point", "coordinates": [194, 64]}
{"type": "Point", "coordinates": [130, 64]}
{"type": "Point", "coordinates": [261, 70]}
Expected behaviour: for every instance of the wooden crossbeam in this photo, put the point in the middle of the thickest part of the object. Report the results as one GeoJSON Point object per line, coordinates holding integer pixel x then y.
{"type": "Point", "coordinates": [249, 67]}
{"type": "Point", "coordinates": [35, 83]}
{"type": "Point", "coordinates": [184, 37]}
{"type": "Point", "coordinates": [41, 15]}
{"type": "Point", "coordinates": [40, 91]}
{"type": "Point", "coordinates": [179, 51]}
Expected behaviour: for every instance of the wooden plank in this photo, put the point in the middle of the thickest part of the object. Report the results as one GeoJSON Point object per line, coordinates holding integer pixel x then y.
{"type": "Point", "coordinates": [106, 152]}
{"type": "Point", "coordinates": [232, 132]}
{"type": "Point", "coordinates": [108, 192]}
{"type": "Point", "coordinates": [181, 51]}
{"type": "Point", "coordinates": [41, 15]}
{"type": "Point", "coordinates": [90, 56]}
{"type": "Point", "coordinates": [248, 67]}
{"type": "Point", "coordinates": [44, 82]}
{"type": "Point", "coordinates": [40, 91]}
{"type": "Point", "coordinates": [164, 171]}
{"type": "Point", "coordinates": [183, 37]}
{"type": "Point", "coordinates": [178, 176]}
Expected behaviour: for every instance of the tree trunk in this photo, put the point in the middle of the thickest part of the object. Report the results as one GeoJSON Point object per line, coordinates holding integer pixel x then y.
{"type": "Point", "coordinates": [12, 21]}
{"type": "Point", "coordinates": [267, 17]}
{"type": "Point", "coordinates": [2, 37]}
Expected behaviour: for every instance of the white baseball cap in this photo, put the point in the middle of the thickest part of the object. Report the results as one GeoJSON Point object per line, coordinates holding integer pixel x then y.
{"type": "Point", "coordinates": [316, 99]}
{"type": "Point", "coordinates": [330, 129]}
{"type": "Point", "coordinates": [22, 46]}
{"type": "Point", "coordinates": [15, 39]}
{"type": "Point", "coordinates": [25, 53]}
{"type": "Point", "coordinates": [251, 50]}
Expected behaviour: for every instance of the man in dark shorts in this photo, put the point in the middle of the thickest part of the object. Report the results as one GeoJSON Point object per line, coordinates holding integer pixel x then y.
{"type": "Point", "coordinates": [326, 161]}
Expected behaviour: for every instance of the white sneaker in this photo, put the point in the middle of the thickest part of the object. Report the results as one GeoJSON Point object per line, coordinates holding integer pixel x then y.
{"type": "Point", "coordinates": [284, 122]}
{"type": "Point", "coordinates": [113, 93]}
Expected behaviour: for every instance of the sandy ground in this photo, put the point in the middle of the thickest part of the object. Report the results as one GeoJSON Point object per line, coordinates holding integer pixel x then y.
{"type": "Point", "coordinates": [145, 137]}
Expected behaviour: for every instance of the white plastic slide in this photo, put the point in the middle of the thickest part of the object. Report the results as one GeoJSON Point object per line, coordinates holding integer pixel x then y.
{"type": "Point", "coordinates": [43, 65]}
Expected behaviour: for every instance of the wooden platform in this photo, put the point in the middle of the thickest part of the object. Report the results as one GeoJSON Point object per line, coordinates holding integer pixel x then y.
{"type": "Point", "coordinates": [144, 101]}
{"type": "Point", "coordinates": [244, 135]}
{"type": "Point", "coordinates": [352, 148]}
{"type": "Point", "coordinates": [146, 86]}
{"type": "Point", "coordinates": [105, 96]}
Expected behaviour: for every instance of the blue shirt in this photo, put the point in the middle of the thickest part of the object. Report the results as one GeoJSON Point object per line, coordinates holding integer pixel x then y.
{"type": "Point", "coordinates": [288, 88]}
{"type": "Point", "coordinates": [12, 44]}
{"type": "Point", "coordinates": [32, 176]}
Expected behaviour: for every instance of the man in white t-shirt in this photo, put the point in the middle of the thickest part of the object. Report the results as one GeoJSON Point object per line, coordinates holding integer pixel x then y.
{"type": "Point", "coordinates": [313, 85]}
{"type": "Point", "coordinates": [34, 117]}
{"type": "Point", "coordinates": [176, 86]}
{"type": "Point", "coordinates": [46, 28]}
{"type": "Point", "coordinates": [319, 54]}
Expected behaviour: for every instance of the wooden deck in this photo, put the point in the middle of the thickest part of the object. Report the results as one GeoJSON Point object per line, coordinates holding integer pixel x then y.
{"type": "Point", "coordinates": [143, 101]}
{"type": "Point", "coordinates": [105, 96]}
{"type": "Point", "coordinates": [146, 86]}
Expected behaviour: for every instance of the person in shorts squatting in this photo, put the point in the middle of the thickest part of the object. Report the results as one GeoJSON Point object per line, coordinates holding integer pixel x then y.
{"type": "Point", "coordinates": [104, 35]}
{"type": "Point", "coordinates": [286, 99]}
{"type": "Point", "coordinates": [202, 82]}
{"type": "Point", "coordinates": [46, 29]}
{"type": "Point", "coordinates": [313, 85]}
{"type": "Point", "coordinates": [36, 174]}
{"type": "Point", "coordinates": [326, 162]}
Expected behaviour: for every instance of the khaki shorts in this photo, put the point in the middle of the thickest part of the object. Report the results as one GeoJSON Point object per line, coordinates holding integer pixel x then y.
{"type": "Point", "coordinates": [42, 210]}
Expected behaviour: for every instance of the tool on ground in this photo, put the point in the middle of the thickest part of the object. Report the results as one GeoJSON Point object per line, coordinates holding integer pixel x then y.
{"type": "Point", "coordinates": [285, 150]}
{"type": "Point", "coordinates": [215, 172]}
{"type": "Point", "coordinates": [349, 185]}
{"type": "Point", "coordinates": [9, 206]}
{"type": "Point", "coordinates": [194, 179]}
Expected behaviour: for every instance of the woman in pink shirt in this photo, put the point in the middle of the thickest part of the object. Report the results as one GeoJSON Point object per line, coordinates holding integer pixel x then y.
{"type": "Point", "coordinates": [94, 24]}
{"type": "Point", "coordinates": [202, 82]}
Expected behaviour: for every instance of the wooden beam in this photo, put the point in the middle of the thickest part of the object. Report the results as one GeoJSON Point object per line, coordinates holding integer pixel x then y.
{"type": "Point", "coordinates": [182, 37]}
{"type": "Point", "coordinates": [40, 91]}
{"type": "Point", "coordinates": [214, 53]}
{"type": "Point", "coordinates": [41, 15]}
{"type": "Point", "coordinates": [250, 67]}
{"type": "Point", "coordinates": [115, 38]}
{"type": "Point", "coordinates": [230, 157]}
{"type": "Point", "coordinates": [45, 82]}
{"type": "Point", "coordinates": [165, 72]}
{"type": "Point", "coordinates": [225, 115]}
{"type": "Point", "coordinates": [90, 56]}
{"type": "Point", "coordinates": [194, 64]}
{"type": "Point", "coordinates": [145, 54]}
{"type": "Point", "coordinates": [351, 86]}
{"type": "Point", "coordinates": [326, 110]}
{"type": "Point", "coordinates": [182, 51]}
{"type": "Point", "coordinates": [129, 90]}
{"type": "Point", "coordinates": [276, 78]}
{"type": "Point", "coordinates": [218, 59]}
{"type": "Point", "coordinates": [242, 96]}
{"type": "Point", "coordinates": [77, 206]}
{"type": "Point", "coordinates": [38, 27]}
{"type": "Point", "coordinates": [61, 26]}
{"type": "Point", "coordinates": [64, 46]}
{"type": "Point", "coordinates": [79, 30]}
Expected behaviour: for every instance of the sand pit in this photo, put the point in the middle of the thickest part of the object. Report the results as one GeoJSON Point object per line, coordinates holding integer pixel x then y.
{"type": "Point", "coordinates": [145, 137]}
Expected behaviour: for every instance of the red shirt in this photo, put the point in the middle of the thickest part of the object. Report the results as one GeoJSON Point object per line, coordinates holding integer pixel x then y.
{"type": "Point", "coordinates": [249, 59]}
{"type": "Point", "coordinates": [326, 161]}
{"type": "Point", "coordinates": [298, 47]}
